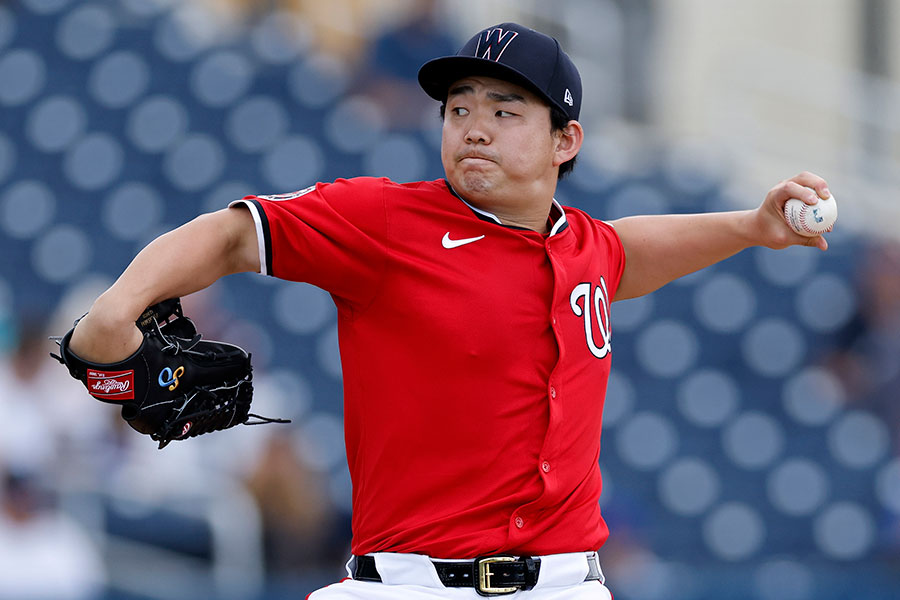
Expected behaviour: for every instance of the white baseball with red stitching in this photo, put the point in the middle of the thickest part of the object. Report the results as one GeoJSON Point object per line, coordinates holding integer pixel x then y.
{"type": "Point", "coordinates": [811, 220]}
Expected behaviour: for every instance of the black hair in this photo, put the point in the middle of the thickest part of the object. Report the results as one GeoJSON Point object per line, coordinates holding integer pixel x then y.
{"type": "Point", "coordinates": [558, 122]}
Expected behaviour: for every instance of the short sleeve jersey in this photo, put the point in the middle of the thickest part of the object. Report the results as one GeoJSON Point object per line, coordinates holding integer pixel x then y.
{"type": "Point", "coordinates": [475, 361]}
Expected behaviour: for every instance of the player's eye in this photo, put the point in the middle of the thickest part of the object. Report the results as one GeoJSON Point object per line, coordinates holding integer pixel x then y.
{"type": "Point", "coordinates": [460, 111]}
{"type": "Point", "coordinates": [505, 113]}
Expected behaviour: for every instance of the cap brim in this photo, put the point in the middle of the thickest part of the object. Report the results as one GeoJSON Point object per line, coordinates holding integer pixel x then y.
{"type": "Point", "coordinates": [436, 76]}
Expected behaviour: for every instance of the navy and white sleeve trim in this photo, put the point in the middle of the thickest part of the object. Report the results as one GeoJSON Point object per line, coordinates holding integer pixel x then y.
{"type": "Point", "coordinates": [263, 236]}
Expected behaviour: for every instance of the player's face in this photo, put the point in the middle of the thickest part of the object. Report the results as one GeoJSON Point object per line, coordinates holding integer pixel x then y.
{"type": "Point", "coordinates": [496, 145]}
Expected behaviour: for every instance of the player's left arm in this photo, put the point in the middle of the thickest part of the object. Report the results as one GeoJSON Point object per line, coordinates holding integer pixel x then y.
{"type": "Point", "coordinates": [661, 248]}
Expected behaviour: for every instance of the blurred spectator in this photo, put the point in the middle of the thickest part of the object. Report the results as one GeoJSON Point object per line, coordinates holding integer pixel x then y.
{"type": "Point", "coordinates": [868, 357]}
{"type": "Point", "coordinates": [340, 28]}
{"type": "Point", "coordinates": [25, 435]}
{"type": "Point", "coordinates": [47, 413]}
{"type": "Point", "coordinates": [238, 10]}
{"type": "Point", "coordinates": [344, 28]}
{"type": "Point", "coordinates": [395, 58]}
{"type": "Point", "coordinates": [626, 556]}
{"type": "Point", "coordinates": [301, 529]}
{"type": "Point", "coordinates": [43, 552]}
{"type": "Point", "coordinates": [868, 362]}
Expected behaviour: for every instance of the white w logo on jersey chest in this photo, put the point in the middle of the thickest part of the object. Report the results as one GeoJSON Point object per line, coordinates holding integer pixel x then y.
{"type": "Point", "coordinates": [599, 302]}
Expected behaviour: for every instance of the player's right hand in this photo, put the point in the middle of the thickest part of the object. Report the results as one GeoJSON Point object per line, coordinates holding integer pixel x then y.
{"type": "Point", "coordinates": [771, 227]}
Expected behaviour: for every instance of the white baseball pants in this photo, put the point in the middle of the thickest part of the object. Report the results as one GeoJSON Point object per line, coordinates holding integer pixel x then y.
{"type": "Point", "coordinates": [412, 577]}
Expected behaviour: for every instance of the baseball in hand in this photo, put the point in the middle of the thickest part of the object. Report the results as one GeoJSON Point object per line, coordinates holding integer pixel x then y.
{"type": "Point", "coordinates": [811, 220]}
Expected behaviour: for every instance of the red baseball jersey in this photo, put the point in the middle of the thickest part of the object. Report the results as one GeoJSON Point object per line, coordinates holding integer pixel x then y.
{"type": "Point", "coordinates": [475, 360]}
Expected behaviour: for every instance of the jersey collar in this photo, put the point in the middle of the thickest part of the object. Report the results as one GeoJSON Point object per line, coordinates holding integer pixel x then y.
{"type": "Point", "coordinates": [557, 217]}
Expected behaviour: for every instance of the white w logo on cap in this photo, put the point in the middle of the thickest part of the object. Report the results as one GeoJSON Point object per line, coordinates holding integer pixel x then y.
{"type": "Point", "coordinates": [493, 42]}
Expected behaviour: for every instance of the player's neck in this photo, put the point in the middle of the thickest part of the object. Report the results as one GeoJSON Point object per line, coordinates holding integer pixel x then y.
{"type": "Point", "coordinates": [528, 212]}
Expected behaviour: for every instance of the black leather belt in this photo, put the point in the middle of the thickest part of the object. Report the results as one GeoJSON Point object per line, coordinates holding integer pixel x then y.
{"type": "Point", "coordinates": [489, 575]}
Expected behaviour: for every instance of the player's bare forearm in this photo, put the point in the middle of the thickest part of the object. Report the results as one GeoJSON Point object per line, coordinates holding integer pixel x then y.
{"type": "Point", "coordinates": [180, 262]}
{"type": "Point", "coordinates": [661, 248]}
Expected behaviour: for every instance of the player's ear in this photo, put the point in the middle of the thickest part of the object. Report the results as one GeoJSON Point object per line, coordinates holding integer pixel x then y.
{"type": "Point", "coordinates": [568, 142]}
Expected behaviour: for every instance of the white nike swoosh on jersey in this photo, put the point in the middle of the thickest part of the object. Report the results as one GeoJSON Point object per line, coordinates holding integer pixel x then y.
{"type": "Point", "coordinates": [446, 242]}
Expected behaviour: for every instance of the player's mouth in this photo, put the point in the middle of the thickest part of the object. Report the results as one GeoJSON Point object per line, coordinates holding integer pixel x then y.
{"type": "Point", "coordinates": [472, 158]}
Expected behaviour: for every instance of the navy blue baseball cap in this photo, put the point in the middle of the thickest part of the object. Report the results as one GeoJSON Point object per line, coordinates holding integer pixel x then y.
{"type": "Point", "coordinates": [513, 53]}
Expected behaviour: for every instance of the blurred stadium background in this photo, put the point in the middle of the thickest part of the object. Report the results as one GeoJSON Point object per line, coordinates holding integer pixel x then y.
{"type": "Point", "coordinates": [751, 428]}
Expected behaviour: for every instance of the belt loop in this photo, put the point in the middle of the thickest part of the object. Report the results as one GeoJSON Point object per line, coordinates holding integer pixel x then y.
{"type": "Point", "coordinates": [531, 574]}
{"type": "Point", "coordinates": [594, 569]}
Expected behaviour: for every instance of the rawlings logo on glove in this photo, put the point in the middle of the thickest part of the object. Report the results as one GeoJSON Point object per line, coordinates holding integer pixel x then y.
{"type": "Point", "coordinates": [111, 386]}
{"type": "Point", "coordinates": [176, 385]}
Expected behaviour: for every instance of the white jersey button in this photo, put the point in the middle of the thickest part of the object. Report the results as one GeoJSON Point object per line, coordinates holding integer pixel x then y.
{"type": "Point", "coordinates": [552, 392]}
{"type": "Point", "coordinates": [520, 522]}
{"type": "Point", "coordinates": [545, 467]}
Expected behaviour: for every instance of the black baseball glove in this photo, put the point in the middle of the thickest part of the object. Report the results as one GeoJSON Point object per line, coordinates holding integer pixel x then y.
{"type": "Point", "coordinates": [176, 385]}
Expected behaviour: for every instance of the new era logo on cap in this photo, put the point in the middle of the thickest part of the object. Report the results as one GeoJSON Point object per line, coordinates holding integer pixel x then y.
{"type": "Point", "coordinates": [513, 53]}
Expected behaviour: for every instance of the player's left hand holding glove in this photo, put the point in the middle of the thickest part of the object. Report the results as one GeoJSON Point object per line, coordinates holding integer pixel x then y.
{"type": "Point", "coordinates": [175, 385]}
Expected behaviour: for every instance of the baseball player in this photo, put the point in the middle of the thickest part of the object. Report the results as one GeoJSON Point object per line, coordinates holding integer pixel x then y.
{"type": "Point", "coordinates": [474, 326]}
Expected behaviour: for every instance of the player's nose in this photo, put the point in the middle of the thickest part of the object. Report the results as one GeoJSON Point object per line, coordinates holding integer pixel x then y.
{"type": "Point", "coordinates": [477, 130]}
{"type": "Point", "coordinates": [475, 137]}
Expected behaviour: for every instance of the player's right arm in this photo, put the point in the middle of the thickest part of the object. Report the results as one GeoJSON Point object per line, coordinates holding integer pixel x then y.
{"type": "Point", "coordinates": [180, 262]}
{"type": "Point", "coordinates": [661, 248]}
